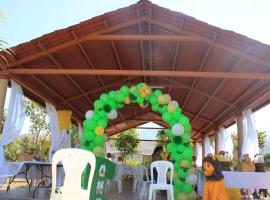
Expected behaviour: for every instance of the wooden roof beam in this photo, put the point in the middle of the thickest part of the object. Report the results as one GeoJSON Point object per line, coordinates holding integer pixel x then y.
{"type": "Point", "coordinates": [104, 72]}
{"type": "Point", "coordinates": [209, 49]}
{"type": "Point", "coordinates": [150, 43]}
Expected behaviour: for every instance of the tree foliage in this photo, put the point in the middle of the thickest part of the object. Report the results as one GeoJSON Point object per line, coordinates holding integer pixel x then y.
{"type": "Point", "coordinates": [127, 142]}
{"type": "Point", "coordinates": [162, 137]}
{"type": "Point", "coordinates": [262, 139]}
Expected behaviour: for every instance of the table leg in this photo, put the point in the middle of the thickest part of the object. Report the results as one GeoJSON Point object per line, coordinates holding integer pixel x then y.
{"type": "Point", "coordinates": [9, 182]}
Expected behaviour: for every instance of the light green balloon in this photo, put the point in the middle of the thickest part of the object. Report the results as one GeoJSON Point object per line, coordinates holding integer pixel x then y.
{"type": "Point", "coordinates": [125, 90]}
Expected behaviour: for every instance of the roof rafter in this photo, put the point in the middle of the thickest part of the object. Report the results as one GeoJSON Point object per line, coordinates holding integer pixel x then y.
{"type": "Point", "coordinates": [74, 83]}
{"type": "Point", "coordinates": [182, 24]}
{"type": "Point", "coordinates": [217, 89]}
{"type": "Point", "coordinates": [209, 49]}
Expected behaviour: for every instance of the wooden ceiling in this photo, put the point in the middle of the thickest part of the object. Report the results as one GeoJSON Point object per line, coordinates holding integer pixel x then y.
{"type": "Point", "coordinates": [232, 71]}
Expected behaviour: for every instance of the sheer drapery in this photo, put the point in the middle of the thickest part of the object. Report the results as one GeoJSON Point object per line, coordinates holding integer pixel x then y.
{"type": "Point", "coordinates": [225, 141]}
{"type": "Point", "coordinates": [250, 143]}
{"type": "Point", "coordinates": [198, 155]}
{"type": "Point", "coordinates": [208, 147]}
{"type": "Point", "coordinates": [13, 123]}
{"type": "Point", "coordinates": [60, 139]}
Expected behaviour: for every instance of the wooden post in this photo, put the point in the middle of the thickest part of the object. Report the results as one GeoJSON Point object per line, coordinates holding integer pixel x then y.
{"type": "Point", "coordinates": [216, 141]}
{"type": "Point", "coordinates": [3, 91]}
{"type": "Point", "coordinates": [239, 122]}
{"type": "Point", "coordinates": [203, 147]}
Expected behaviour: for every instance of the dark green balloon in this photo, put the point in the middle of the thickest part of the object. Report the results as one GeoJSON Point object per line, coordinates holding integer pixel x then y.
{"type": "Point", "coordinates": [107, 108]}
{"type": "Point", "coordinates": [177, 140]}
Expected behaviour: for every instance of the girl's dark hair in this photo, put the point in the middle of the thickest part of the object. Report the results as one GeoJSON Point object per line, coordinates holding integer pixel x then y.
{"type": "Point", "coordinates": [217, 174]}
{"type": "Point", "coordinates": [157, 149]}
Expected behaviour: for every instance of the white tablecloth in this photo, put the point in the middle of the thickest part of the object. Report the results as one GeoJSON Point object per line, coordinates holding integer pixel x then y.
{"type": "Point", "coordinates": [247, 180]}
{"type": "Point", "coordinates": [15, 168]}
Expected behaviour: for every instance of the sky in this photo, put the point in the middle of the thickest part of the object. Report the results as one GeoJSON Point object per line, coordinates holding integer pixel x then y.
{"type": "Point", "coordinates": [28, 19]}
{"type": "Point", "coordinates": [23, 21]}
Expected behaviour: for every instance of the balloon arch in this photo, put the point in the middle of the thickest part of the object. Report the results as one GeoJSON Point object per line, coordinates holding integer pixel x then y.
{"type": "Point", "coordinates": [179, 132]}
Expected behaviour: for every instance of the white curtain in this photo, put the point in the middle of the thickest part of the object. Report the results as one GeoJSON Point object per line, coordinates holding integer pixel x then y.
{"type": "Point", "coordinates": [59, 139]}
{"type": "Point", "coordinates": [225, 141]}
{"type": "Point", "coordinates": [198, 155]}
{"type": "Point", "coordinates": [14, 122]}
{"type": "Point", "coordinates": [208, 147]}
{"type": "Point", "coordinates": [250, 139]}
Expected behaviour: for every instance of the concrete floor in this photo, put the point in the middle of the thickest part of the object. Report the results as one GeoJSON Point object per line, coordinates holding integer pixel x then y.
{"type": "Point", "coordinates": [18, 192]}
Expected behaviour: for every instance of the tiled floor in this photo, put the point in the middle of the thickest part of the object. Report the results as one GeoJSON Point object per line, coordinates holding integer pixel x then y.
{"type": "Point", "coordinates": [21, 193]}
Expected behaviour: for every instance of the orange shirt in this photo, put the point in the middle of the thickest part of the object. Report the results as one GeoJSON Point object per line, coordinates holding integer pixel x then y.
{"type": "Point", "coordinates": [215, 190]}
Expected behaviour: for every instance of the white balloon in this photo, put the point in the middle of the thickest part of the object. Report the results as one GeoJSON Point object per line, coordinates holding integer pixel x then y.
{"type": "Point", "coordinates": [191, 179]}
{"type": "Point", "coordinates": [174, 102]}
{"type": "Point", "coordinates": [178, 129]}
{"type": "Point", "coordinates": [89, 114]}
{"type": "Point", "coordinates": [112, 115]}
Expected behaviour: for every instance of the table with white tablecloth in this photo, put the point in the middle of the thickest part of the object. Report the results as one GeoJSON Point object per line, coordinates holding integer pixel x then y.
{"type": "Point", "coordinates": [245, 180]}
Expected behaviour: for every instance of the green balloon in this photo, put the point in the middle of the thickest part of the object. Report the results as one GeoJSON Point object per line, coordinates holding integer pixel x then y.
{"type": "Point", "coordinates": [155, 107]}
{"type": "Point", "coordinates": [187, 154]}
{"type": "Point", "coordinates": [171, 147]}
{"type": "Point", "coordinates": [140, 85]}
{"type": "Point", "coordinates": [98, 104]}
{"type": "Point", "coordinates": [163, 109]}
{"type": "Point", "coordinates": [176, 115]}
{"type": "Point", "coordinates": [157, 93]}
{"type": "Point", "coordinates": [178, 183]}
{"type": "Point", "coordinates": [187, 128]}
{"type": "Point", "coordinates": [112, 94]}
{"type": "Point", "coordinates": [104, 97]}
{"type": "Point", "coordinates": [169, 133]}
{"type": "Point", "coordinates": [186, 138]}
{"type": "Point", "coordinates": [102, 114]}
{"type": "Point", "coordinates": [177, 157]}
{"type": "Point", "coordinates": [95, 117]}
{"type": "Point", "coordinates": [153, 100]}
{"type": "Point", "coordinates": [99, 141]}
{"type": "Point", "coordinates": [89, 124]}
{"type": "Point", "coordinates": [112, 103]}
{"type": "Point", "coordinates": [90, 136]}
{"type": "Point", "coordinates": [184, 120]}
{"type": "Point", "coordinates": [166, 116]}
{"type": "Point", "coordinates": [176, 191]}
{"type": "Point", "coordinates": [120, 97]}
{"type": "Point", "coordinates": [136, 93]}
{"type": "Point", "coordinates": [102, 123]}
{"type": "Point", "coordinates": [180, 148]}
{"type": "Point", "coordinates": [125, 90]}
{"type": "Point", "coordinates": [85, 148]}
{"type": "Point", "coordinates": [182, 174]}
{"type": "Point", "coordinates": [172, 122]}
{"type": "Point", "coordinates": [187, 188]}
{"type": "Point", "coordinates": [139, 100]}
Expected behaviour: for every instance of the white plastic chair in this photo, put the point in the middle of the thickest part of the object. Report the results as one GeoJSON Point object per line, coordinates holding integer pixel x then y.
{"type": "Point", "coordinates": [74, 162]}
{"type": "Point", "coordinates": [141, 185]}
{"type": "Point", "coordinates": [162, 168]}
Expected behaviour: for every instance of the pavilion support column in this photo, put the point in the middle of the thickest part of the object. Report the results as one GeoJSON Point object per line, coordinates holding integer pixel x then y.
{"type": "Point", "coordinates": [3, 91]}
{"type": "Point", "coordinates": [203, 148]}
{"type": "Point", "coordinates": [216, 141]}
{"type": "Point", "coordinates": [239, 122]}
